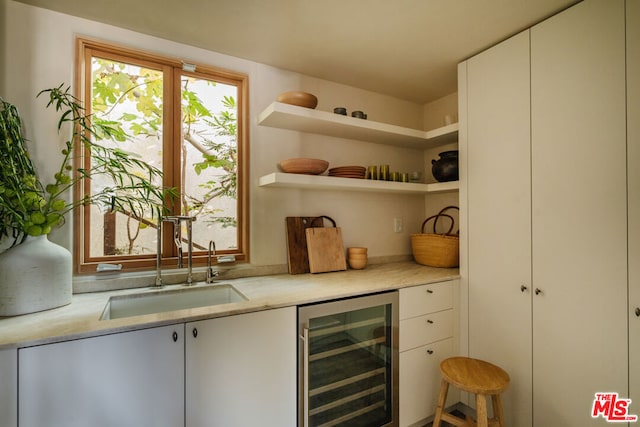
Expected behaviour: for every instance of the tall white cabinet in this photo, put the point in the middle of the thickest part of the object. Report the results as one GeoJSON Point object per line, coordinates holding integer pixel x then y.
{"type": "Point", "coordinates": [579, 245]}
{"type": "Point", "coordinates": [498, 209]}
{"type": "Point", "coordinates": [633, 153]}
{"type": "Point", "coordinates": [545, 194]}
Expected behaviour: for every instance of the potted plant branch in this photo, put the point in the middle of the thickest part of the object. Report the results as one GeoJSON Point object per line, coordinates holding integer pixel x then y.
{"type": "Point", "coordinates": [31, 207]}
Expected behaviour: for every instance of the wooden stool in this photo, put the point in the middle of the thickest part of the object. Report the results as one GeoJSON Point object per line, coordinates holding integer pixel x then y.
{"type": "Point", "coordinates": [473, 376]}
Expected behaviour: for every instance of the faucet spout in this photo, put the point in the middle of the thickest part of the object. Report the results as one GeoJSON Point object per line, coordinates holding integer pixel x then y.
{"type": "Point", "coordinates": [212, 252]}
{"type": "Point", "coordinates": [176, 221]}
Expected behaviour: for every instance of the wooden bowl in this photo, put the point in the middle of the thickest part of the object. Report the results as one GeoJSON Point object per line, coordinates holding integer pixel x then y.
{"type": "Point", "coordinates": [301, 99]}
{"type": "Point", "coordinates": [356, 250]}
{"type": "Point", "coordinates": [357, 264]}
{"type": "Point", "coordinates": [304, 166]}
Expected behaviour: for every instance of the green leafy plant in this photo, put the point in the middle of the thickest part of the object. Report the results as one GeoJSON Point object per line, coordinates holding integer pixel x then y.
{"type": "Point", "coordinates": [223, 157]}
{"type": "Point", "coordinates": [211, 131]}
{"type": "Point", "coordinates": [31, 207]}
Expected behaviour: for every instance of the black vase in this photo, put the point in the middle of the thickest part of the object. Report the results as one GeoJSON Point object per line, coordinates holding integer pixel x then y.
{"type": "Point", "coordinates": [446, 167]}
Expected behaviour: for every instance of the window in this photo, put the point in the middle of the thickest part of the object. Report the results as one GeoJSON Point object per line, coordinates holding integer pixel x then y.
{"type": "Point", "coordinates": [188, 120]}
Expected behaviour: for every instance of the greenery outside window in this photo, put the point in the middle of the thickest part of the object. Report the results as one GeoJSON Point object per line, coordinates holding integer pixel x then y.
{"type": "Point", "coordinates": [190, 121]}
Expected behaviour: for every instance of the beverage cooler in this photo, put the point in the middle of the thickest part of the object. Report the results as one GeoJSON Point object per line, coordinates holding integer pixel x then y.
{"type": "Point", "coordinates": [348, 362]}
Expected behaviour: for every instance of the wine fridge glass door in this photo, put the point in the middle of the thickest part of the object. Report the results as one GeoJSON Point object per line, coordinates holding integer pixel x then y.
{"type": "Point", "coordinates": [349, 358]}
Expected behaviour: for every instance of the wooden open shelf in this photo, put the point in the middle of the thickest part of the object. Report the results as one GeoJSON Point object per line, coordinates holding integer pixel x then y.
{"type": "Point", "coordinates": [302, 119]}
{"type": "Point", "coordinates": [321, 182]}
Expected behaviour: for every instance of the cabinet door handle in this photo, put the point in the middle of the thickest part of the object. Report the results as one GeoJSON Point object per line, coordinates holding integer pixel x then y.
{"type": "Point", "coordinates": [429, 291]}
{"type": "Point", "coordinates": [195, 332]}
{"type": "Point", "coordinates": [637, 311]}
{"type": "Point", "coordinates": [429, 352]}
{"type": "Point", "coordinates": [429, 321]}
{"type": "Point", "coordinates": [523, 288]}
{"type": "Point", "coordinates": [538, 291]}
{"type": "Point", "coordinates": [305, 375]}
{"type": "Point", "coordinates": [175, 336]}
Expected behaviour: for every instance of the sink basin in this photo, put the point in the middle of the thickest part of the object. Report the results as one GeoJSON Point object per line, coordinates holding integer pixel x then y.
{"type": "Point", "coordinates": [170, 300]}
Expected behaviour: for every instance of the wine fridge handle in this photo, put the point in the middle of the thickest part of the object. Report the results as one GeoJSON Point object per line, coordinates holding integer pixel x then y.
{"type": "Point", "coordinates": [305, 376]}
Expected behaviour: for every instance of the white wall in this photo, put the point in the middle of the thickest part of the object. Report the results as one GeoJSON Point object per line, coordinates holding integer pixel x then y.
{"type": "Point", "coordinates": [39, 54]}
{"type": "Point", "coordinates": [3, 41]}
{"type": "Point", "coordinates": [434, 117]}
{"type": "Point", "coordinates": [436, 111]}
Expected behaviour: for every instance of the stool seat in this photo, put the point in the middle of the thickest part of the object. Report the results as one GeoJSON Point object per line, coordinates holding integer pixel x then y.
{"type": "Point", "coordinates": [473, 376]}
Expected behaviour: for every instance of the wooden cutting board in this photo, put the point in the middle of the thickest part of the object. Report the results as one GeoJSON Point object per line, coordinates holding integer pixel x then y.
{"type": "Point", "coordinates": [325, 249]}
{"type": "Point", "coordinates": [297, 255]}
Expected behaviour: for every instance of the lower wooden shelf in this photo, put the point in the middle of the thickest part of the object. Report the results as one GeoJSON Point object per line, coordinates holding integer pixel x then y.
{"type": "Point", "coordinates": [320, 182]}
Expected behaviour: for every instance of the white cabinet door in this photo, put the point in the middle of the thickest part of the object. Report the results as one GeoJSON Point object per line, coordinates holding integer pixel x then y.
{"type": "Point", "coordinates": [420, 381]}
{"type": "Point", "coordinates": [633, 180]}
{"type": "Point", "coordinates": [241, 370]}
{"type": "Point", "coordinates": [131, 379]}
{"type": "Point", "coordinates": [9, 388]}
{"type": "Point", "coordinates": [579, 222]}
{"type": "Point", "coordinates": [496, 143]}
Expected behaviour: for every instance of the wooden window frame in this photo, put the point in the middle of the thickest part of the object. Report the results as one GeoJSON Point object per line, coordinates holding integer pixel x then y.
{"type": "Point", "coordinates": [85, 48]}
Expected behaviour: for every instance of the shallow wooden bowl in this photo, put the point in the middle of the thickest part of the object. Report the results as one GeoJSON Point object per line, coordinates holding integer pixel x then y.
{"type": "Point", "coordinates": [301, 99]}
{"type": "Point", "coordinates": [304, 166]}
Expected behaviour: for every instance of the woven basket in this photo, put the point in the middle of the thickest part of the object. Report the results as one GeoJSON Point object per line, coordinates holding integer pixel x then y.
{"type": "Point", "coordinates": [437, 250]}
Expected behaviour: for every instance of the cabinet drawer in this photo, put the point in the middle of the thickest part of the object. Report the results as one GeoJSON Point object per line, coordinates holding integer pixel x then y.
{"type": "Point", "coordinates": [419, 300]}
{"type": "Point", "coordinates": [420, 381]}
{"type": "Point", "coordinates": [425, 329]}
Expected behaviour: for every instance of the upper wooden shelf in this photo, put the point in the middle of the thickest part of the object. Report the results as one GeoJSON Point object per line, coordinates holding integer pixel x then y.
{"type": "Point", "coordinates": [302, 119]}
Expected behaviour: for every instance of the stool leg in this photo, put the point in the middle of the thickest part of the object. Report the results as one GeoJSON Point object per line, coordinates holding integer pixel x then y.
{"type": "Point", "coordinates": [498, 413]}
{"type": "Point", "coordinates": [444, 389]}
{"type": "Point", "coordinates": [481, 410]}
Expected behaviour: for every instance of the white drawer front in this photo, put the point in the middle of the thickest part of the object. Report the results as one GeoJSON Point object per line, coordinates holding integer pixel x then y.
{"type": "Point", "coordinates": [420, 381]}
{"type": "Point", "coordinates": [419, 300]}
{"type": "Point", "coordinates": [425, 329]}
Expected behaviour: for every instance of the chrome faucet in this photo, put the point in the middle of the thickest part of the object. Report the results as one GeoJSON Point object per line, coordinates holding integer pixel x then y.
{"type": "Point", "coordinates": [212, 252]}
{"type": "Point", "coordinates": [176, 221]}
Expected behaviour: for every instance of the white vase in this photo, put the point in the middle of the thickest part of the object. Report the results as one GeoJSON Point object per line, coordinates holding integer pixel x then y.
{"type": "Point", "coordinates": [34, 276]}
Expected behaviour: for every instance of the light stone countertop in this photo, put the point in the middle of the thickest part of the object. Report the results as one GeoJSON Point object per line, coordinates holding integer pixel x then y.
{"type": "Point", "coordinates": [81, 318]}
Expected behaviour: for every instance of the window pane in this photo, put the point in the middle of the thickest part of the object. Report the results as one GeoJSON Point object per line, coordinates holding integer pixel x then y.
{"type": "Point", "coordinates": [209, 161]}
{"type": "Point", "coordinates": [191, 125]}
{"type": "Point", "coordinates": [131, 97]}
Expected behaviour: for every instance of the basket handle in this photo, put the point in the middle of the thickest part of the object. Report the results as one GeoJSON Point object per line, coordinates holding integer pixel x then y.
{"type": "Point", "coordinates": [321, 217]}
{"type": "Point", "coordinates": [441, 213]}
{"type": "Point", "coordinates": [434, 223]}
